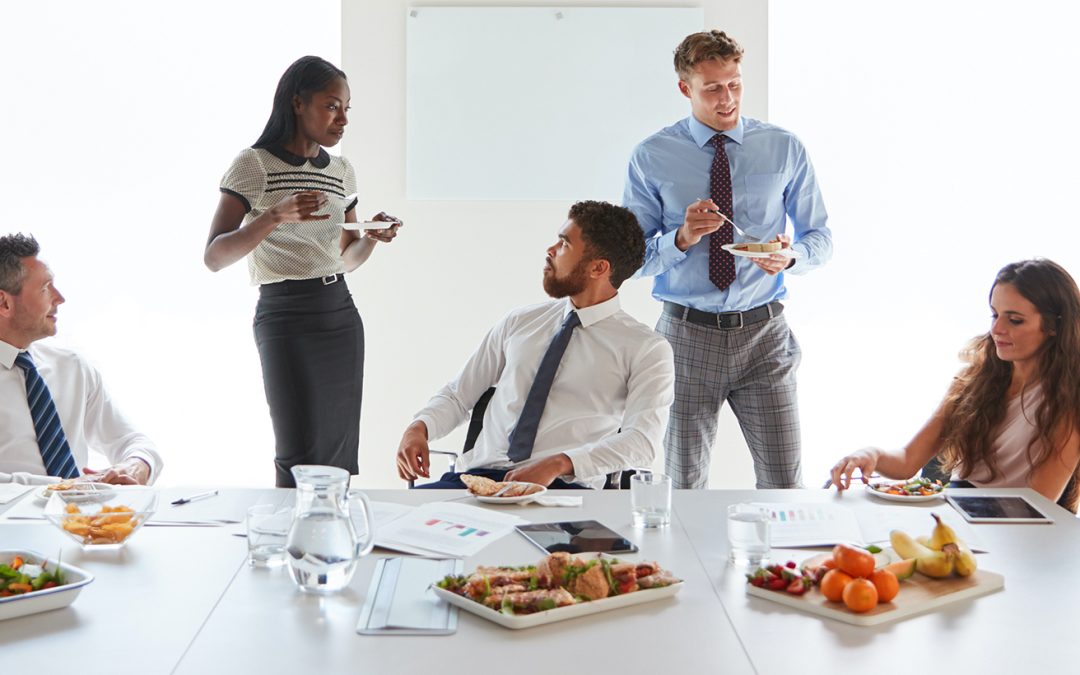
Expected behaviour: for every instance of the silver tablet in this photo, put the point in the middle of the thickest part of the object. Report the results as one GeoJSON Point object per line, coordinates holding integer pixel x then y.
{"type": "Point", "coordinates": [997, 509]}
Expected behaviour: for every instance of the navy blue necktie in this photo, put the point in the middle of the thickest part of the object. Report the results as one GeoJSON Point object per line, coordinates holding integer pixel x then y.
{"type": "Point", "coordinates": [53, 445]}
{"type": "Point", "coordinates": [524, 434]}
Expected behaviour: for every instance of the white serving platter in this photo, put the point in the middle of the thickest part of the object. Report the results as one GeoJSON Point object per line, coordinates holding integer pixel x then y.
{"type": "Point", "coordinates": [517, 622]}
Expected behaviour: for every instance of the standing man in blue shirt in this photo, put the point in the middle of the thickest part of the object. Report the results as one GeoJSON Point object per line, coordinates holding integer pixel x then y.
{"type": "Point", "coordinates": [722, 313]}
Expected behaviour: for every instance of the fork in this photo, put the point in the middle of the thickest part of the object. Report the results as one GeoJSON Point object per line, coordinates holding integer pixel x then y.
{"type": "Point", "coordinates": [503, 490]}
{"type": "Point", "coordinates": [733, 225]}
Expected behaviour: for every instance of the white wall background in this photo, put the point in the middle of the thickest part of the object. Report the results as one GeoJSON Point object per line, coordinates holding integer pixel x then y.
{"type": "Point", "coordinates": [121, 118]}
{"type": "Point", "coordinates": [942, 134]}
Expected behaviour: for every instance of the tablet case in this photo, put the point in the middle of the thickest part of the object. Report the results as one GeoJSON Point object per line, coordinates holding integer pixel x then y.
{"type": "Point", "coordinates": [399, 601]}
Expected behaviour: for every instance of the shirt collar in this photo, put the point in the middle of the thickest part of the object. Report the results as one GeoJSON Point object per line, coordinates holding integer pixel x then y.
{"type": "Point", "coordinates": [701, 133]}
{"type": "Point", "coordinates": [593, 313]}
{"type": "Point", "coordinates": [8, 353]}
{"type": "Point", "coordinates": [319, 161]}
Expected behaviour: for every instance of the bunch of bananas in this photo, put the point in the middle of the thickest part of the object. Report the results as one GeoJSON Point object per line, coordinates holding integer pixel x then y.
{"type": "Point", "coordinates": [940, 555]}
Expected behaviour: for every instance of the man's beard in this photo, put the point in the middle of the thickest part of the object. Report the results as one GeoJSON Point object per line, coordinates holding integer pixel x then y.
{"type": "Point", "coordinates": [571, 284]}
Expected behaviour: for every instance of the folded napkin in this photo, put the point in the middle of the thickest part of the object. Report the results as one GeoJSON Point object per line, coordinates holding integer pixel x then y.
{"type": "Point", "coordinates": [550, 500]}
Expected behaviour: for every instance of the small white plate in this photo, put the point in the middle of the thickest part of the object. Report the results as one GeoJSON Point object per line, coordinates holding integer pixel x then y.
{"type": "Point", "coordinates": [515, 621]}
{"type": "Point", "coordinates": [84, 492]}
{"type": "Point", "coordinates": [523, 499]}
{"type": "Point", "coordinates": [49, 598]}
{"type": "Point", "coordinates": [369, 225]}
{"type": "Point", "coordinates": [900, 498]}
{"type": "Point", "coordinates": [786, 252]}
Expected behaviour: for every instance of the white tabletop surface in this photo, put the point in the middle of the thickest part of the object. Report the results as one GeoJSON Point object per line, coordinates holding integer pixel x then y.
{"type": "Point", "coordinates": [183, 599]}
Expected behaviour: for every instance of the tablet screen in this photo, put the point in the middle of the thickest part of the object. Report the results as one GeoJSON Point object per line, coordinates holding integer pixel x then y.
{"type": "Point", "coordinates": [576, 536]}
{"type": "Point", "coordinates": [997, 508]}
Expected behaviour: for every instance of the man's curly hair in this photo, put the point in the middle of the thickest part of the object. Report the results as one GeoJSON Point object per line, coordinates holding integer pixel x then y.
{"type": "Point", "coordinates": [611, 233]}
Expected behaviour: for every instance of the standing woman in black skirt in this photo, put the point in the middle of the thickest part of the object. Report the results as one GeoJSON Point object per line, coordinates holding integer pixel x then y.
{"type": "Point", "coordinates": [282, 204]}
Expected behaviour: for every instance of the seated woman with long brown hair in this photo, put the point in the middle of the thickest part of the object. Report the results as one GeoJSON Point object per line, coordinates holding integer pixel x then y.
{"type": "Point", "coordinates": [1012, 417]}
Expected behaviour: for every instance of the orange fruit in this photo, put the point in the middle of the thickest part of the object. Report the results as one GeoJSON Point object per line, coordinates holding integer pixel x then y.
{"type": "Point", "coordinates": [860, 595]}
{"type": "Point", "coordinates": [886, 583]}
{"type": "Point", "coordinates": [833, 584]}
{"type": "Point", "coordinates": [855, 561]}
{"type": "Point", "coordinates": [829, 564]}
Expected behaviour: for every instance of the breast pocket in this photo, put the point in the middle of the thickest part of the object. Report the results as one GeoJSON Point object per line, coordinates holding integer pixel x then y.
{"type": "Point", "coordinates": [764, 202]}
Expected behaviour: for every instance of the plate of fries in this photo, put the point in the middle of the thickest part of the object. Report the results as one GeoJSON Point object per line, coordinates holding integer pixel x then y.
{"type": "Point", "coordinates": [106, 523]}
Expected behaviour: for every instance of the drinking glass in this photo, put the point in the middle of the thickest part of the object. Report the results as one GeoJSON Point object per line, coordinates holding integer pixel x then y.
{"type": "Point", "coordinates": [748, 533]}
{"type": "Point", "coordinates": [267, 528]}
{"type": "Point", "coordinates": [650, 499]}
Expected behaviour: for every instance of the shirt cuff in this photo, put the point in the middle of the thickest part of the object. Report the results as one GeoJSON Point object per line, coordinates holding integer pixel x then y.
{"type": "Point", "coordinates": [583, 465]}
{"type": "Point", "coordinates": [149, 460]}
{"type": "Point", "coordinates": [667, 250]}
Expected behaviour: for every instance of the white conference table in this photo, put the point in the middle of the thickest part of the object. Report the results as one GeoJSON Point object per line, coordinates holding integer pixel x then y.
{"type": "Point", "coordinates": [183, 599]}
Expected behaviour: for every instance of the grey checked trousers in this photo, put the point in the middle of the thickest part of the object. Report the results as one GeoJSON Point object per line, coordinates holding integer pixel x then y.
{"type": "Point", "coordinates": [753, 369]}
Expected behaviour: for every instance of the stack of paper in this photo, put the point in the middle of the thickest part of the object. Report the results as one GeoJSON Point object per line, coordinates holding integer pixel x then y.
{"type": "Point", "coordinates": [444, 528]}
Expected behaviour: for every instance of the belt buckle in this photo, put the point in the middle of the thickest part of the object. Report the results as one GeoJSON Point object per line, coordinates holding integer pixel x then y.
{"type": "Point", "coordinates": [329, 279]}
{"type": "Point", "coordinates": [722, 320]}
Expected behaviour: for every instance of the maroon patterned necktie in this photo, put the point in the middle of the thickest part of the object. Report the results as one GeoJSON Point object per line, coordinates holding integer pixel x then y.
{"type": "Point", "coordinates": [721, 263]}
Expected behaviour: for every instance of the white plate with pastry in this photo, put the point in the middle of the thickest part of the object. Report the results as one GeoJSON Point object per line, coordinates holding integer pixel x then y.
{"type": "Point", "coordinates": [502, 492]}
{"type": "Point", "coordinates": [764, 249]}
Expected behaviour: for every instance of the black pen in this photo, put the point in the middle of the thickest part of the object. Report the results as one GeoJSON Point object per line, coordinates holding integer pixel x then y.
{"type": "Point", "coordinates": [195, 498]}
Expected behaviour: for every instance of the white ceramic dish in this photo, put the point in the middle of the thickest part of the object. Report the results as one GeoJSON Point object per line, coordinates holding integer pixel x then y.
{"type": "Point", "coordinates": [84, 492]}
{"type": "Point", "coordinates": [523, 499]}
{"type": "Point", "coordinates": [517, 622]}
{"type": "Point", "coordinates": [902, 498]}
{"type": "Point", "coordinates": [786, 252]}
{"type": "Point", "coordinates": [49, 598]}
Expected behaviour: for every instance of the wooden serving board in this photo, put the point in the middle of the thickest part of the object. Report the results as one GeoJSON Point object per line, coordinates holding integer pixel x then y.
{"type": "Point", "coordinates": [918, 594]}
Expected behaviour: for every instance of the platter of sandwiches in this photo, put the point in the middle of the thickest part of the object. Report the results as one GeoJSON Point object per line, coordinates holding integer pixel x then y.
{"type": "Point", "coordinates": [559, 587]}
{"type": "Point", "coordinates": [759, 249]}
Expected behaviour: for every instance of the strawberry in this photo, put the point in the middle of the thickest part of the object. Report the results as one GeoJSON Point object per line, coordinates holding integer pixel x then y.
{"type": "Point", "coordinates": [757, 581]}
{"type": "Point", "coordinates": [790, 564]}
{"type": "Point", "coordinates": [777, 584]}
{"type": "Point", "coordinates": [797, 587]}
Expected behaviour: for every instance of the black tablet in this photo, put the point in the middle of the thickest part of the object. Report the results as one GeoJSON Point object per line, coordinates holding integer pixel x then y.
{"type": "Point", "coordinates": [576, 536]}
{"type": "Point", "coordinates": [997, 509]}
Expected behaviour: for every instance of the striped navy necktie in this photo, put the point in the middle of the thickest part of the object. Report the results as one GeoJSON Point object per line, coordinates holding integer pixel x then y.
{"type": "Point", "coordinates": [524, 435]}
{"type": "Point", "coordinates": [52, 443]}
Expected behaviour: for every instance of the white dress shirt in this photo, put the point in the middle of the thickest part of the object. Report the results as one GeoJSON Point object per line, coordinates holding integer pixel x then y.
{"type": "Point", "coordinates": [616, 373]}
{"type": "Point", "coordinates": [90, 419]}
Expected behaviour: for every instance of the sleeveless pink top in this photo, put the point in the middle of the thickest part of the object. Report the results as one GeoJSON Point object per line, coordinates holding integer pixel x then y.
{"type": "Point", "coordinates": [1010, 445]}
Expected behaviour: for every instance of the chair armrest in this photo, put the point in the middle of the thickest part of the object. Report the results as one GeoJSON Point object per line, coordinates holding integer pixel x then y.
{"type": "Point", "coordinates": [451, 456]}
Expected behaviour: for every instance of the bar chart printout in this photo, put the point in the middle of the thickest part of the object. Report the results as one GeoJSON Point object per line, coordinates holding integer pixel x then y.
{"type": "Point", "coordinates": [445, 528]}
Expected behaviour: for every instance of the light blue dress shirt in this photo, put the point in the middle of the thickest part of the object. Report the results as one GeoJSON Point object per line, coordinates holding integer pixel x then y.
{"type": "Point", "coordinates": [771, 179]}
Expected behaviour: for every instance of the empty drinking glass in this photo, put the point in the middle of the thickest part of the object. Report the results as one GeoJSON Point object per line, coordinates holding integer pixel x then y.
{"type": "Point", "coordinates": [748, 533]}
{"type": "Point", "coordinates": [650, 499]}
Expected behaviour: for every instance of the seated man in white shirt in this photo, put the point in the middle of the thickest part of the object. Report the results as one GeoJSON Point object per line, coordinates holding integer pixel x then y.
{"type": "Point", "coordinates": [53, 407]}
{"type": "Point", "coordinates": [575, 398]}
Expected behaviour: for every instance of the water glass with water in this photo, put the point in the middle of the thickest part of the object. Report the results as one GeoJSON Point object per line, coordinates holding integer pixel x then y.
{"type": "Point", "coordinates": [748, 533]}
{"type": "Point", "coordinates": [267, 529]}
{"type": "Point", "coordinates": [650, 499]}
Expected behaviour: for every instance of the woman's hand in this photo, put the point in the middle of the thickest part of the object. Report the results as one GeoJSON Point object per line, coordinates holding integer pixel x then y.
{"type": "Point", "coordinates": [299, 207]}
{"type": "Point", "coordinates": [865, 460]}
{"type": "Point", "coordinates": [386, 234]}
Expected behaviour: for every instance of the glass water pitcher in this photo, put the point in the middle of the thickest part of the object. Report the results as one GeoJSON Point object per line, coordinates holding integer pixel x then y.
{"type": "Point", "coordinates": [324, 546]}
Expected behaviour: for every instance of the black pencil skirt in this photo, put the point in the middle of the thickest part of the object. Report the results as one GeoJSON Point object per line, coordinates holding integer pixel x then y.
{"type": "Point", "coordinates": [311, 345]}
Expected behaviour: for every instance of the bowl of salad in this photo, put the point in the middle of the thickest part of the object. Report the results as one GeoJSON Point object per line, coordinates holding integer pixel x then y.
{"type": "Point", "coordinates": [31, 583]}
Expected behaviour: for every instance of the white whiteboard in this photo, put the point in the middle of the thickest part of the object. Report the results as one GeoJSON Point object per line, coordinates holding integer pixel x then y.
{"type": "Point", "coordinates": [528, 103]}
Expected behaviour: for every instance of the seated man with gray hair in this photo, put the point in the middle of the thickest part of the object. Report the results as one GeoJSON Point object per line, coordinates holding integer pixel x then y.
{"type": "Point", "coordinates": [53, 406]}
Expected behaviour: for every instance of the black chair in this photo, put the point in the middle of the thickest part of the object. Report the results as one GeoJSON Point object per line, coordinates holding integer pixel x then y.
{"type": "Point", "coordinates": [619, 480]}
